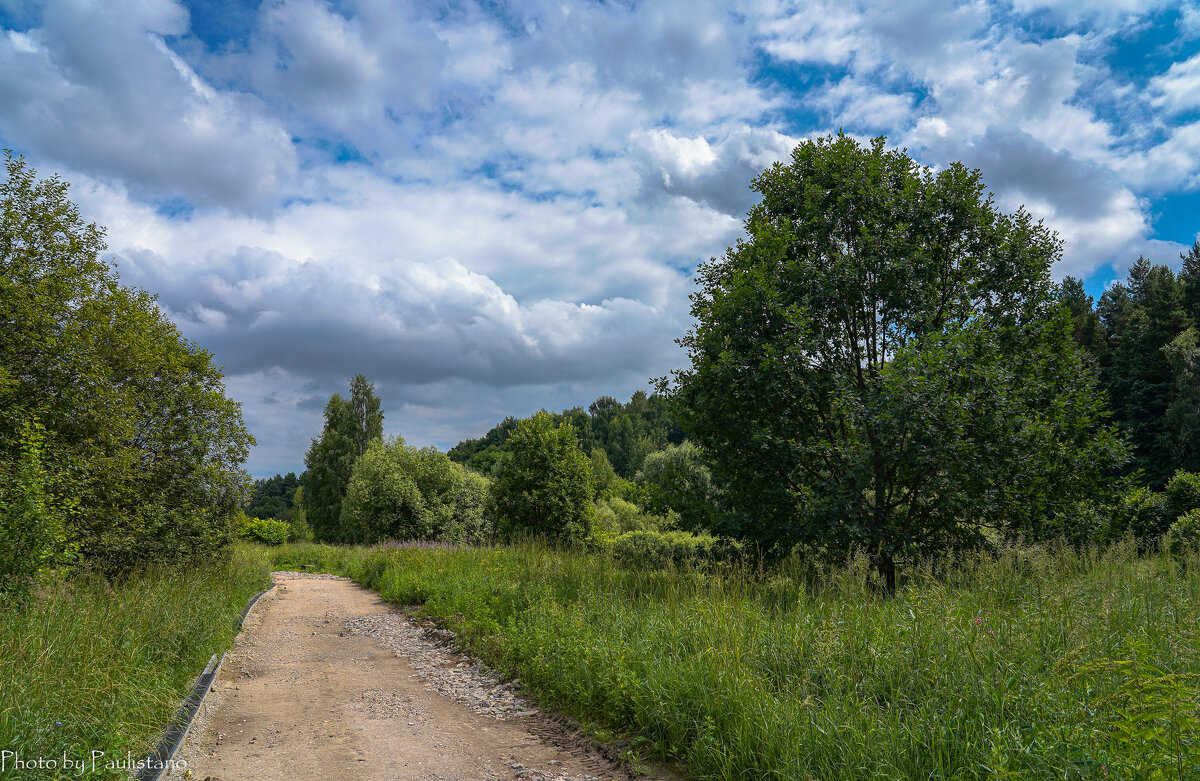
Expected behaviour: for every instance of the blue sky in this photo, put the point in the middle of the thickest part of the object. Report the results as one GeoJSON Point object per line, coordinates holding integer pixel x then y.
{"type": "Point", "coordinates": [493, 207]}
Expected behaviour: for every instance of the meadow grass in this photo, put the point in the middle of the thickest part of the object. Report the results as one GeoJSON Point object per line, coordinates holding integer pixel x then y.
{"type": "Point", "coordinates": [88, 665]}
{"type": "Point", "coordinates": [1035, 663]}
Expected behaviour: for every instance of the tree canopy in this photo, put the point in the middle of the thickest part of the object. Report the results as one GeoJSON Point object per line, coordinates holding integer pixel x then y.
{"type": "Point", "coordinates": [135, 433]}
{"type": "Point", "coordinates": [882, 363]}
{"type": "Point", "coordinates": [625, 433]}
{"type": "Point", "coordinates": [1142, 338]}
{"type": "Point", "coordinates": [544, 484]}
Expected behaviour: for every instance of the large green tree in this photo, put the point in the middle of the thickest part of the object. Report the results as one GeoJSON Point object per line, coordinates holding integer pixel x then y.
{"type": "Point", "coordinates": [882, 363]}
{"type": "Point", "coordinates": [139, 439]}
{"type": "Point", "coordinates": [350, 427]}
{"type": "Point", "coordinates": [544, 484]}
{"type": "Point", "coordinates": [398, 492]}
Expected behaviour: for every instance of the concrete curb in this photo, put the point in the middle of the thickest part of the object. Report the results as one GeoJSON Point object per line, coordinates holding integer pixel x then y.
{"type": "Point", "coordinates": [159, 759]}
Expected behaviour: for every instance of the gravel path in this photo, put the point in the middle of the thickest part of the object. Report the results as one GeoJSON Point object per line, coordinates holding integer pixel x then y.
{"type": "Point", "coordinates": [327, 681]}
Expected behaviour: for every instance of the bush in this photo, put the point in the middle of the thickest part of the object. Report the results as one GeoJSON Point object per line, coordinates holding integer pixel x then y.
{"type": "Point", "coordinates": [299, 531]}
{"type": "Point", "coordinates": [616, 516]}
{"type": "Point", "coordinates": [544, 485]}
{"type": "Point", "coordinates": [268, 531]}
{"type": "Point", "coordinates": [654, 550]}
{"type": "Point", "coordinates": [1141, 513]}
{"type": "Point", "coordinates": [1183, 493]}
{"type": "Point", "coordinates": [1184, 534]}
{"type": "Point", "coordinates": [33, 538]}
{"type": "Point", "coordinates": [399, 492]}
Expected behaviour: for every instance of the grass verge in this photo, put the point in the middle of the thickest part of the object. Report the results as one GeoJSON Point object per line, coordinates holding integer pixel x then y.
{"type": "Point", "coordinates": [1037, 664]}
{"type": "Point", "coordinates": [91, 666]}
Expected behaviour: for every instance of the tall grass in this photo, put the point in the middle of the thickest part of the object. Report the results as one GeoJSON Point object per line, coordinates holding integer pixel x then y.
{"type": "Point", "coordinates": [1036, 663]}
{"type": "Point", "coordinates": [94, 666]}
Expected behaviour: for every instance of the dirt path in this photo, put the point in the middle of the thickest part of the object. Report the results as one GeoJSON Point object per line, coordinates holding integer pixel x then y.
{"type": "Point", "coordinates": [327, 681]}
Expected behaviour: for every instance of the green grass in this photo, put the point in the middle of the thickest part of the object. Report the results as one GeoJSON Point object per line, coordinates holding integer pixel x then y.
{"type": "Point", "coordinates": [1035, 664]}
{"type": "Point", "coordinates": [92, 666]}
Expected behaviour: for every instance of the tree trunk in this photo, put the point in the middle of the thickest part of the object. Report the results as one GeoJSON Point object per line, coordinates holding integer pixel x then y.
{"type": "Point", "coordinates": [885, 565]}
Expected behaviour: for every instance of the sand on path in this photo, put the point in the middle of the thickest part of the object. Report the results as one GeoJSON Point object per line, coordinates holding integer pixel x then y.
{"type": "Point", "coordinates": [301, 697]}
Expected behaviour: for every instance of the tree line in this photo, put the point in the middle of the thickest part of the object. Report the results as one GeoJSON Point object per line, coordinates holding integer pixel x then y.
{"type": "Point", "coordinates": [1141, 337]}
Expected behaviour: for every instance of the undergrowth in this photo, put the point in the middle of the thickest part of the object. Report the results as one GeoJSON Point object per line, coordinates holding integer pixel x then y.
{"type": "Point", "coordinates": [1037, 663]}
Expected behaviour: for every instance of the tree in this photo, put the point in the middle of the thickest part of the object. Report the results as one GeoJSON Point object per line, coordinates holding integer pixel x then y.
{"type": "Point", "coordinates": [139, 436]}
{"type": "Point", "coordinates": [1189, 277]}
{"type": "Point", "coordinates": [1181, 421]}
{"type": "Point", "coordinates": [544, 485]}
{"type": "Point", "coordinates": [883, 364]}
{"type": "Point", "coordinates": [1088, 330]}
{"type": "Point", "coordinates": [678, 479]}
{"type": "Point", "coordinates": [1143, 317]}
{"type": "Point", "coordinates": [350, 426]}
{"type": "Point", "coordinates": [273, 497]}
{"type": "Point", "coordinates": [399, 492]}
{"type": "Point", "coordinates": [365, 413]}
{"type": "Point", "coordinates": [328, 465]}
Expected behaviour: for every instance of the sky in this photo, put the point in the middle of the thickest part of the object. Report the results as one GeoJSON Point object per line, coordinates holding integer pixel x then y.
{"type": "Point", "coordinates": [493, 207]}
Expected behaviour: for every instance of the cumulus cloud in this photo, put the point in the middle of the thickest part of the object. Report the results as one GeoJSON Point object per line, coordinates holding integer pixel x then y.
{"type": "Point", "coordinates": [1178, 89]}
{"type": "Point", "coordinates": [96, 87]}
{"type": "Point", "coordinates": [492, 207]}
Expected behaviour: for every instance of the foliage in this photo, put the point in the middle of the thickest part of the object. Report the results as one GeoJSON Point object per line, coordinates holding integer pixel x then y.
{"type": "Point", "coordinates": [399, 492]}
{"type": "Point", "coordinates": [609, 484]}
{"type": "Point", "coordinates": [676, 479]}
{"type": "Point", "coordinates": [1142, 336]}
{"type": "Point", "coordinates": [350, 426]}
{"type": "Point", "coordinates": [1181, 421]}
{"type": "Point", "coordinates": [33, 534]}
{"type": "Point", "coordinates": [94, 665]}
{"type": "Point", "coordinates": [1184, 534]}
{"type": "Point", "coordinates": [657, 549]}
{"type": "Point", "coordinates": [616, 515]}
{"type": "Point", "coordinates": [138, 431]}
{"type": "Point", "coordinates": [625, 433]}
{"type": "Point", "coordinates": [544, 484]}
{"type": "Point", "coordinates": [274, 497]}
{"type": "Point", "coordinates": [883, 363]}
{"type": "Point", "coordinates": [268, 531]}
{"type": "Point", "coordinates": [1182, 493]}
{"type": "Point", "coordinates": [1004, 665]}
{"type": "Point", "coordinates": [1141, 513]}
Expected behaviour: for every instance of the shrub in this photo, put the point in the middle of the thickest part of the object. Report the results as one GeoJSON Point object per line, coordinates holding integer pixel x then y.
{"type": "Point", "coordinates": [33, 538]}
{"type": "Point", "coordinates": [653, 550]}
{"type": "Point", "coordinates": [1141, 513]}
{"type": "Point", "coordinates": [399, 492]}
{"type": "Point", "coordinates": [616, 516]}
{"type": "Point", "coordinates": [268, 531]}
{"type": "Point", "coordinates": [544, 485]}
{"type": "Point", "coordinates": [1184, 534]}
{"type": "Point", "coordinates": [299, 531]}
{"type": "Point", "coordinates": [1183, 493]}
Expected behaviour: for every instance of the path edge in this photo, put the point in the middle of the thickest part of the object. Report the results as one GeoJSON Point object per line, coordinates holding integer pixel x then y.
{"type": "Point", "coordinates": [177, 729]}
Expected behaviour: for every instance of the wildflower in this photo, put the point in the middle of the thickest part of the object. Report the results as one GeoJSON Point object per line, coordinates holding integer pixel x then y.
{"type": "Point", "coordinates": [978, 620]}
{"type": "Point", "coordinates": [992, 632]}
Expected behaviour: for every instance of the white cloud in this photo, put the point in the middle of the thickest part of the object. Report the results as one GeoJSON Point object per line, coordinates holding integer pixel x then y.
{"type": "Point", "coordinates": [539, 179]}
{"type": "Point", "coordinates": [95, 87]}
{"type": "Point", "coordinates": [1178, 89]}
